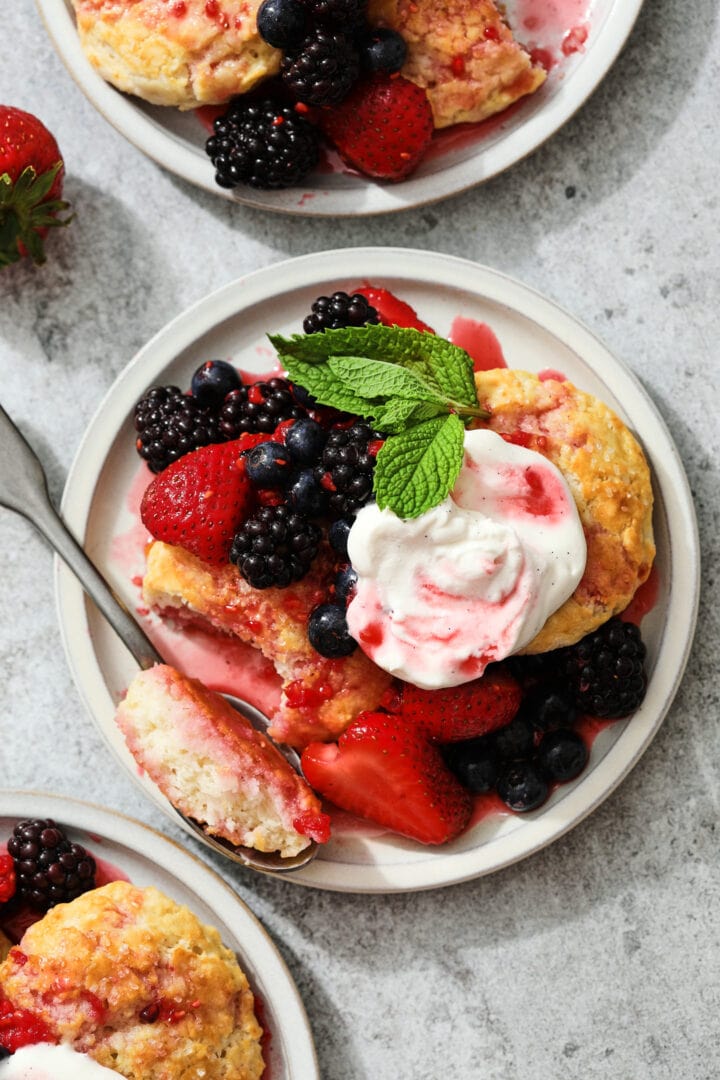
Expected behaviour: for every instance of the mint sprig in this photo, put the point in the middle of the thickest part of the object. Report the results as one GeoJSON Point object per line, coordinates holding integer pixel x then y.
{"type": "Point", "coordinates": [417, 469]}
{"type": "Point", "coordinates": [415, 387]}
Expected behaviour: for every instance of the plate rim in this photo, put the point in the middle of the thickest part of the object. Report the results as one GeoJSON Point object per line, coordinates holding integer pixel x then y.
{"type": "Point", "coordinates": [173, 154]}
{"type": "Point", "coordinates": [199, 879]}
{"type": "Point", "coordinates": [446, 272]}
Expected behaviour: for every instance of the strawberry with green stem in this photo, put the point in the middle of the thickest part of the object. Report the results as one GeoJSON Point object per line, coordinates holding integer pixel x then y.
{"type": "Point", "coordinates": [31, 181]}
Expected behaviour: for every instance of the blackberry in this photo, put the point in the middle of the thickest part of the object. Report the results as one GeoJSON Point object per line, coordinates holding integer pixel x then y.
{"type": "Point", "coordinates": [345, 14]}
{"type": "Point", "coordinates": [265, 144]}
{"type": "Point", "coordinates": [606, 670]}
{"type": "Point", "coordinates": [346, 469]}
{"type": "Point", "coordinates": [170, 424]}
{"type": "Point", "coordinates": [322, 70]}
{"type": "Point", "coordinates": [339, 310]}
{"type": "Point", "coordinates": [328, 632]}
{"type": "Point", "coordinates": [258, 408]}
{"type": "Point", "coordinates": [275, 547]}
{"type": "Point", "coordinates": [50, 870]}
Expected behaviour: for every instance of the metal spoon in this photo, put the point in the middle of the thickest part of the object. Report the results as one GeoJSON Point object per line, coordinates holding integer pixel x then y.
{"type": "Point", "coordinates": [23, 488]}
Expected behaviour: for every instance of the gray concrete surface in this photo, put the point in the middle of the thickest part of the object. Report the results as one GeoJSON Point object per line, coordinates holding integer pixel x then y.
{"type": "Point", "coordinates": [599, 957]}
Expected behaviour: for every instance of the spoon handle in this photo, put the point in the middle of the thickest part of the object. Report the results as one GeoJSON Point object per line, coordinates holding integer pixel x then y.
{"type": "Point", "coordinates": [23, 488]}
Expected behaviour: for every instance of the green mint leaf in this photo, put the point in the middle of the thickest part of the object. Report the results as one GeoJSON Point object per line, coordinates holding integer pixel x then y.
{"type": "Point", "coordinates": [444, 367]}
{"type": "Point", "coordinates": [398, 414]}
{"type": "Point", "coordinates": [417, 469]}
{"type": "Point", "coordinates": [324, 385]}
{"type": "Point", "coordinates": [377, 379]}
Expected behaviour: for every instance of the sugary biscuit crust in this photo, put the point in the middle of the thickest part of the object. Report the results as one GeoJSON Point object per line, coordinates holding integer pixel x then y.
{"type": "Point", "coordinates": [609, 478]}
{"type": "Point", "coordinates": [176, 52]}
{"type": "Point", "coordinates": [5, 945]}
{"type": "Point", "coordinates": [95, 964]}
{"type": "Point", "coordinates": [320, 696]}
{"type": "Point", "coordinates": [462, 53]}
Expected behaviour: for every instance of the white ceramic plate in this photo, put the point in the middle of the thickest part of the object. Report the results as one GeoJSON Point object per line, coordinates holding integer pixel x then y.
{"type": "Point", "coordinates": [535, 334]}
{"type": "Point", "coordinates": [148, 858]}
{"type": "Point", "coordinates": [175, 140]}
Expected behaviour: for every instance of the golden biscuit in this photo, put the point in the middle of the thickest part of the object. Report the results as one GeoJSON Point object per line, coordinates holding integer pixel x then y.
{"type": "Point", "coordinates": [462, 53]}
{"type": "Point", "coordinates": [320, 696]}
{"type": "Point", "coordinates": [5, 945]}
{"type": "Point", "coordinates": [609, 478]}
{"type": "Point", "coordinates": [176, 52]}
{"type": "Point", "coordinates": [133, 979]}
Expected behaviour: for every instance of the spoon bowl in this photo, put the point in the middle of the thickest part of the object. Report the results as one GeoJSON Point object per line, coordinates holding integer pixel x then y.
{"type": "Point", "coordinates": [23, 488]}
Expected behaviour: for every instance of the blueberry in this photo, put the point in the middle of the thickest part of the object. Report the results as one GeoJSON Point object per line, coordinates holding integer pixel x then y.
{"type": "Point", "coordinates": [305, 440]}
{"type": "Point", "coordinates": [213, 381]}
{"type": "Point", "coordinates": [328, 632]}
{"type": "Point", "coordinates": [515, 740]}
{"type": "Point", "coordinates": [338, 536]}
{"type": "Point", "coordinates": [281, 22]}
{"type": "Point", "coordinates": [562, 755]}
{"type": "Point", "coordinates": [521, 787]}
{"type": "Point", "coordinates": [303, 396]}
{"type": "Point", "coordinates": [550, 709]}
{"type": "Point", "coordinates": [474, 762]}
{"type": "Point", "coordinates": [305, 494]}
{"type": "Point", "coordinates": [383, 50]}
{"type": "Point", "coordinates": [268, 465]}
{"type": "Point", "coordinates": [345, 583]}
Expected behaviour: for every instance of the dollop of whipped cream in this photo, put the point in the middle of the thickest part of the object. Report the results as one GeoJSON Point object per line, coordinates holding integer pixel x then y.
{"type": "Point", "coordinates": [441, 596]}
{"type": "Point", "coordinates": [43, 1061]}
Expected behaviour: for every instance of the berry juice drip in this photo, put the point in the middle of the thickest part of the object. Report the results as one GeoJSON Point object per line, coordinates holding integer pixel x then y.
{"type": "Point", "coordinates": [479, 341]}
{"type": "Point", "coordinates": [551, 29]}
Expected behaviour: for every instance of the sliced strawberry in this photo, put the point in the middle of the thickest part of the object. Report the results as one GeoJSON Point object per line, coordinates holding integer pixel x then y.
{"type": "Point", "coordinates": [199, 501]}
{"type": "Point", "coordinates": [391, 310]}
{"type": "Point", "coordinates": [383, 769]}
{"type": "Point", "coordinates": [463, 712]}
{"type": "Point", "coordinates": [383, 127]}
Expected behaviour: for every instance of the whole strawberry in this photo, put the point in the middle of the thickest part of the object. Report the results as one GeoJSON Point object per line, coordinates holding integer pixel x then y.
{"type": "Point", "coordinates": [31, 179]}
{"type": "Point", "coordinates": [199, 502]}
{"type": "Point", "coordinates": [382, 128]}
